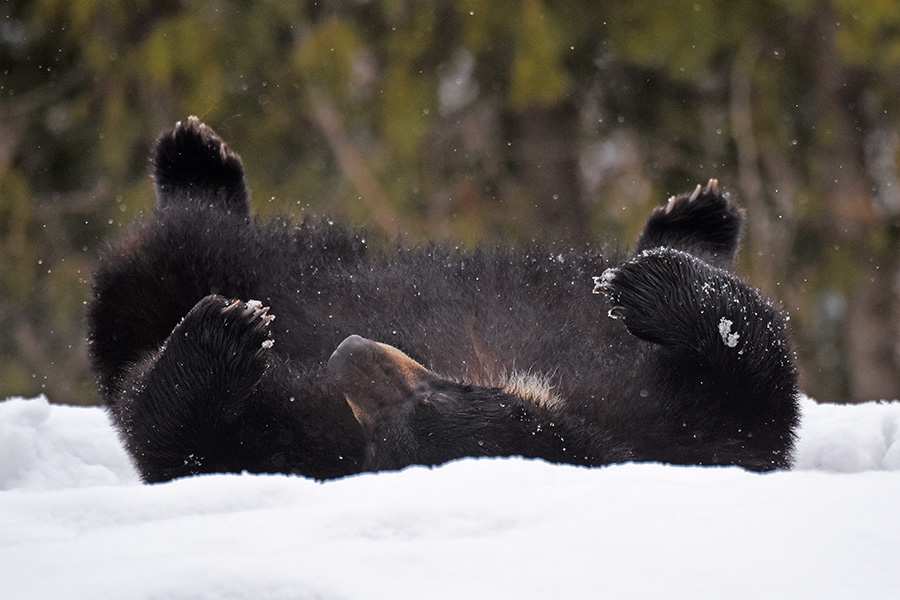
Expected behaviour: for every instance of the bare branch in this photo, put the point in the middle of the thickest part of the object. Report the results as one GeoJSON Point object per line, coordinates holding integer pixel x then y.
{"type": "Point", "coordinates": [352, 163]}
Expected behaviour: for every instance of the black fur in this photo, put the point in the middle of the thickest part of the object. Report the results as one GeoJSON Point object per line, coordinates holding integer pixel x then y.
{"type": "Point", "coordinates": [697, 369]}
{"type": "Point", "coordinates": [702, 223]}
{"type": "Point", "coordinates": [193, 166]}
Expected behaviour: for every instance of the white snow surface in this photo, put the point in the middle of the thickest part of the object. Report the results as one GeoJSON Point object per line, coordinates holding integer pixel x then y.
{"type": "Point", "coordinates": [75, 522]}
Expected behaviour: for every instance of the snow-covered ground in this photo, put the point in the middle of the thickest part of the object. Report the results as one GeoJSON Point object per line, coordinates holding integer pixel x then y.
{"type": "Point", "coordinates": [76, 523]}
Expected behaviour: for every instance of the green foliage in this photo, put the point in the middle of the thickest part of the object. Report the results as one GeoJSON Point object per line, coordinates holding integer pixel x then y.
{"type": "Point", "coordinates": [324, 57]}
{"type": "Point", "coordinates": [867, 33]}
{"type": "Point", "coordinates": [538, 77]}
{"type": "Point", "coordinates": [415, 112]}
{"type": "Point", "coordinates": [16, 223]}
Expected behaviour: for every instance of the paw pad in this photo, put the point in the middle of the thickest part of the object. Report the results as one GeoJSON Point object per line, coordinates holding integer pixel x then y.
{"type": "Point", "coordinates": [253, 314]}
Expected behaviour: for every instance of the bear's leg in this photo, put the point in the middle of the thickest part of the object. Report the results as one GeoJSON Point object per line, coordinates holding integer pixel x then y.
{"type": "Point", "coordinates": [704, 223]}
{"type": "Point", "coordinates": [182, 410]}
{"type": "Point", "coordinates": [723, 357]}
{"type": "Point", "coordinates": [198, 241]}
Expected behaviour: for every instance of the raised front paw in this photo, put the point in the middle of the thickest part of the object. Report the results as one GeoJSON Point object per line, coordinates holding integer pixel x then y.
{"type": "Point", "coordinates": [222, 344]}
{"type": "Point", "coordinates": [660, 294]}
{"type": "Point", "coordinates": [705, 223]}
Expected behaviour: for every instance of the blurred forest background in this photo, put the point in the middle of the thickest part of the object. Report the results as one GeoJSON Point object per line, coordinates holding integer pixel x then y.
{"type": "Point", "coordinates": [469, 121]}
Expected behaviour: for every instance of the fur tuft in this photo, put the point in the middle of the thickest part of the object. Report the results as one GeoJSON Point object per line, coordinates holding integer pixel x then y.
{"type": "Point", "coordinates": [536, 388]}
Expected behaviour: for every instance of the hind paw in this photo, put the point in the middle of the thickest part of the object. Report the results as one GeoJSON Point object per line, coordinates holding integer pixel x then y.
{"type": "Point", "coordinates": [705, 223]}
{"type": "Point", "coordinates": [192, 164]}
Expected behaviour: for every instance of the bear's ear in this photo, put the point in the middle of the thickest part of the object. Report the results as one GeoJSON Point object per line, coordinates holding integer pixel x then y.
{"type": "Point", "coordinates": [375, 378]}
{"type": "Point", "coordinates": [193, 166]}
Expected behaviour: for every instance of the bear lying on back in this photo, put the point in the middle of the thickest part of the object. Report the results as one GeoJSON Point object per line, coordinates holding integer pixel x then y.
{"type": "Point", "coordinates": [222, 344]}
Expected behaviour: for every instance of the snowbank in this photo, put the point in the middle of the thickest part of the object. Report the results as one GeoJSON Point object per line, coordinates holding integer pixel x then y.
{"type": "Point", "coordinates": [76, 523]}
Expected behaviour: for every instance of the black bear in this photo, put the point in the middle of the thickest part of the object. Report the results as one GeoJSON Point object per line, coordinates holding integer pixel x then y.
{"type": "Point", "coordinates": [382, 358]}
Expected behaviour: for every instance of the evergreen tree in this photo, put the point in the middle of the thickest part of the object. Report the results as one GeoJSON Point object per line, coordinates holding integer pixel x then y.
{"type": "Point", "coordinates": [469, 121]}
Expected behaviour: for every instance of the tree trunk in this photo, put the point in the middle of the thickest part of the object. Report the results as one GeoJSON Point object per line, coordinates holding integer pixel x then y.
{"type": "Point", "coordinates": [544, 156]}
{"type": "Point", "coordinates": [851, 223]}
